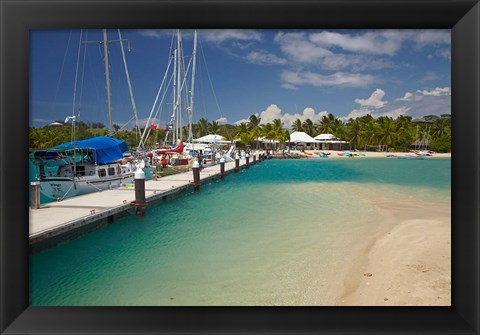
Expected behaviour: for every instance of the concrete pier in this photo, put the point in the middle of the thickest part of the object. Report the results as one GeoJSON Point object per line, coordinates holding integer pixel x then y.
{"type": "Point", "coordinates": [56, 222]}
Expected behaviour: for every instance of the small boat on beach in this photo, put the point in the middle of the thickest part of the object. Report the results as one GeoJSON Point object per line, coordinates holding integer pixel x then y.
{"type": "Point", "coordinates": [323, 154]}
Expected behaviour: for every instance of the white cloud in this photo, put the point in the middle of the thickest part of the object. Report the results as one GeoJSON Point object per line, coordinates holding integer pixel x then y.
{"type": "Point", "coordinates": [298, 48]}
{"type": "Point", "coordinates": [221, 35]}
{"type": "Point", "coordinates": [417, 105]}
{"type": "Point", "coordinates": [156, 33]}
{"type": "Point", "coordinates": [222, 120]}
{"type": "Point", "coordinates": [382, 42]}
{"type": "Point", "coordinates": [340, 79]}
{"type": "Point", "coordinates": [241, 121]}
{"type": "Point", "coordinates": [265, 58]}
{"type": "Point", "coordinates": [436, 92]}
{"type": "Point", "coordinates": [422, 38]}
{"type": "Point", "coordinates": [375, 100]}
{"type": "Point", "coordinates": [289, 86]}
{"type": "Point", "coordinates": [358, 51]}
{"type": "Point", "coordinates": [274, 112]}
{"type": "Point", "coordinates": [407, 97]}
{"type": "Point", "coordinates": [394, 113]}
{"type": "Point", "coordinates": [445, 53]}
{"type": "Point", "coordinates": [239, 37]}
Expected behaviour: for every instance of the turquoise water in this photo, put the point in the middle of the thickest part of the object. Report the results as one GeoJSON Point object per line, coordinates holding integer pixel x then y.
{"type": "Point", "coordinates": [279, 233]}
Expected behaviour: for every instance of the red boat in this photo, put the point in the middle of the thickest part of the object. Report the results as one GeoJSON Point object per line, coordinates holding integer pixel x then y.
{"type": "Point", "coordinates": [177, 150]}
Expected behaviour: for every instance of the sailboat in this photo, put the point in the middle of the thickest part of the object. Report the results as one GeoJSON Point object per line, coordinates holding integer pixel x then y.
{"type": "Point", "coordinates": [80, 167]}
{"type": "Point", "coordinates": [74, 168]}
{"type": "Point", "coordinates": [179, 75]}
{"type": "Point", "coordinates": [173, 147]}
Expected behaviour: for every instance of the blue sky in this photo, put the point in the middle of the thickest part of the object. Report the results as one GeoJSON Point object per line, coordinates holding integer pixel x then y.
{"type": "Point", "coordinates": [285, 74]}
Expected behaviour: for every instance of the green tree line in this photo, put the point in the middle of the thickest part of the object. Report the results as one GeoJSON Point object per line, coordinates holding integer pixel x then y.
{"type": "Point", "coordinates": [362, 133]}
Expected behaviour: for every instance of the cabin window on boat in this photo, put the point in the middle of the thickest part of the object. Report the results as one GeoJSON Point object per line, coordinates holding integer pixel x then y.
{"type": "Point", "coordinates": [102, 173]}
{"type": "Point", "coordinates": [111, 171]}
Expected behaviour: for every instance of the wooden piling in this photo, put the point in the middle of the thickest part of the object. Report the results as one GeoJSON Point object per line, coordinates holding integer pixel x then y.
{"type": "Point", "coordinates": [222, 168]}
{"type": "Point", "coordinates": [237, 163]}
{"type": "Point", "coordinates": [196, 176]}
{"type": "Point", "coordinates": [140, 202]}
{"type": "Point", "coordinates": [35, 199]}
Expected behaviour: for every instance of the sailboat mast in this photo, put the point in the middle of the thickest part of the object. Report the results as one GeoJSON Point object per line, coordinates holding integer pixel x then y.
{"type": "Point", "coordinates": [179, 91]}
{"type": "Point", "coordinates": [174, 133]}
{"type": "Point", "coordinates": [192, 90]}
{"type": "Point", "coordinates": [107, 79]}
{"type": "Point", "coordinates": [134, 106]}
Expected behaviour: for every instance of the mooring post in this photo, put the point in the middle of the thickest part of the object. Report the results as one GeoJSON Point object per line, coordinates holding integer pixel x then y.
{"type": "Point", "coordinates": [35, 200]}
{"type": "Point", "coordinates": [222, 168]}
{"type": "Point", "coordinates": [196, 176]}
{"type": "Point", "coordinates": [254, 158]}
{"type": "Point", "coordinates": [140, 202]}
{"type": "Point", "coordinates": [247, 159]}
{"type": "Point", "coordinates": [237, 163]}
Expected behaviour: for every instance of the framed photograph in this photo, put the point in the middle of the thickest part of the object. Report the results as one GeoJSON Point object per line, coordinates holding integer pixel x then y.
{"type": "Point", "coordinates": [307, 47]}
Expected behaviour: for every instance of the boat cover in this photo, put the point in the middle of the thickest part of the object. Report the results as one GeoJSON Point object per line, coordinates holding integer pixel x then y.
{"type": "Point", "coordinates": [107, 149]}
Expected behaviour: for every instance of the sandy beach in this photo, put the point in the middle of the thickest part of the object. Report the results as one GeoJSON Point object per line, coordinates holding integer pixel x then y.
{"type": "Point", "coordinates": [408, 264]}
{"type": "Point", "coordinates": [368, 154]}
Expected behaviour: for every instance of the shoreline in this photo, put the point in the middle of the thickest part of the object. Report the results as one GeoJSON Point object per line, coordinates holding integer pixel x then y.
{"type": "Point", "coordinates": [368, 154]}
{"type": "Point", "coordinates": [406, 263]}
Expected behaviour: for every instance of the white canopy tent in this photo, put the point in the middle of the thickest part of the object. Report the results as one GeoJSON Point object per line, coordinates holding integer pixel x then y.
{"type": "Point", "coordinates": [301, 137]}
{"type": "Point", "coordinates": [330, 142]}
{"type": "Point", "coordinates": [301, 140]}
{"type": "Point", "coordinates": [324, 137]}
{"type": "Point", "coordinates": [211, 138]}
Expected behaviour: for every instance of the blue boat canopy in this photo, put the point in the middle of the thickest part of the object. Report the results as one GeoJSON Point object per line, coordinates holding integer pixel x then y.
{"type": "Point", "coordinates": [106, 149]}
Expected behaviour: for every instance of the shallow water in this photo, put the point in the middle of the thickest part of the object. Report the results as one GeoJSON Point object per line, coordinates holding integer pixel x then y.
{"type": "Point", "coordinates": [279, 233]}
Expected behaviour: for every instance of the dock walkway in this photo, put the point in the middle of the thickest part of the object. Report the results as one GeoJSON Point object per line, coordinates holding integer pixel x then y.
{"type": "Point", "coordinates": [57, 218]}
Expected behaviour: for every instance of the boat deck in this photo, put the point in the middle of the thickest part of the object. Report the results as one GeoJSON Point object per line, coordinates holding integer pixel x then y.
{"type": "Point", "coordinates": [56, 218]}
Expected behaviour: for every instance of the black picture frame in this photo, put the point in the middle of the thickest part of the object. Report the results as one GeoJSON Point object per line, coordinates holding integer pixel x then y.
{"type": "Point", "coordinates": [17, 17]}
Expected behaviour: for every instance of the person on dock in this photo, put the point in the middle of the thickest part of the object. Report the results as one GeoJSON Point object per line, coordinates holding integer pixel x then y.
{"type": "Point", "coordinates": [164, 162]}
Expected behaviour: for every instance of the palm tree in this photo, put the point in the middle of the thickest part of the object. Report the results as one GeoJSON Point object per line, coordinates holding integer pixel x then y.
{"type": "Point", "coordinates": [254, 127]}
{"type": "Point", "coordinates": [278, 132]}
{"type": "Point", "coordinates": [213, 127]}
{"type": "Point", "coordinates": [241, 128]}
{"type": "Point", "coordinates": [386, 132]}
{"type": "Point", "coordinates": [253, 122]}
{"type": "Point", "coordinates": [283, 137]}
{"type": "Point", "coordinates": [442, 127]}
{"type": "Point", "coordinates": [369, 131]}
{"type": "Point", "coordinates": [246, 138]}
{"type": "Point", "coordinates": [202, 127]}
{"type": "Point", "coordinates": [297, 125]}
{"type": "Point", "coordinates": [327, 124]}
{"type": "Point", "coordinates": [405, 131]}
{"type": "Point", "coordinates": [308, 127]}
{"type": "Point", "coordinates": [354, 132]}
{"type": "Point", "coordinates": [267, 131]}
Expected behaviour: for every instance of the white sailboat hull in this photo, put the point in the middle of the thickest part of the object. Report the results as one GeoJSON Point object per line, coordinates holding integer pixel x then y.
{"type": "Point", "coordinates": [64, 187]}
